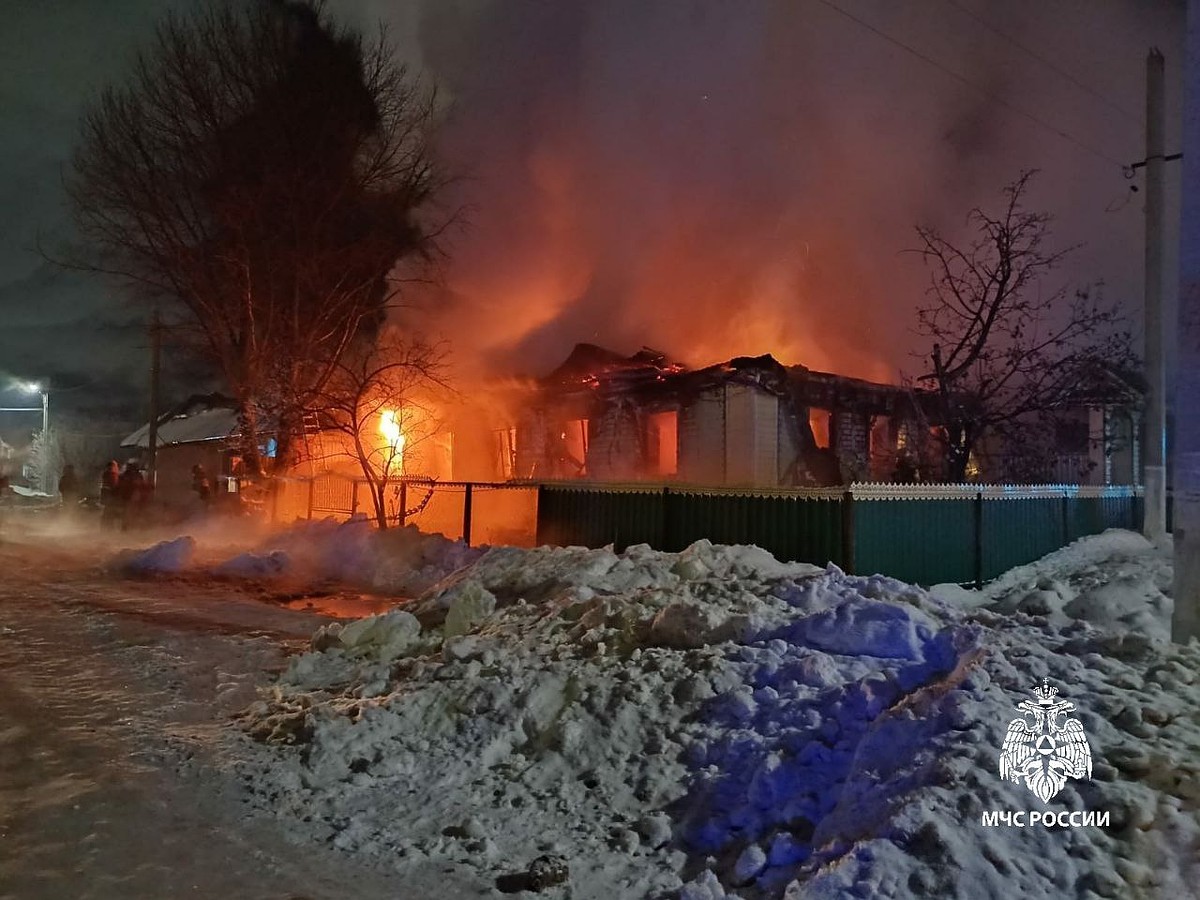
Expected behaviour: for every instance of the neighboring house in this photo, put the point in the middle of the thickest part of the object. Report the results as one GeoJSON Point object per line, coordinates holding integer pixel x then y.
{"type": "Point", "coordinates": [199, 431]}
{"type": "Point", "coordinates": [1093, 437]}
{"type": "Point", "coordinates": [204, 430]}
{"type": "Point", "coordinates": [1115, 401]}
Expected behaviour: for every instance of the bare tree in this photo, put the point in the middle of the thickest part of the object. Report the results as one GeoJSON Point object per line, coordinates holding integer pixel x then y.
{"type": "Point", "coordinates": [262, 170]}
{"type": "Point", "coordinates": [379, 397]}
{"type": "Point", "coordinates": [1003, 348]}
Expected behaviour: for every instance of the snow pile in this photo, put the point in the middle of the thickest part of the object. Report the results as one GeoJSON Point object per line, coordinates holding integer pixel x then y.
{"type": "Point", "coordinates": [399, 562]}
{"type": "Point", "coordinates": [714, 722]}
{"type": "Point", "coordinates": [1117, 581]}
{"type": "Point", "coordinates": [164, 558]}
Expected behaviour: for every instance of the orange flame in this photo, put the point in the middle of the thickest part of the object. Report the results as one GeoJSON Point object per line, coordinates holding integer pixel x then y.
{"type": "Point", "coordinates": [389, 427]}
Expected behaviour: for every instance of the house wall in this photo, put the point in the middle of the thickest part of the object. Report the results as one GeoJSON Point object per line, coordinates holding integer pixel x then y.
{"type": "Point", "coordinates": [789, 468]}
{"type": "Point", "coordinates": [1124, 435]}
{"type": "Point", "coordinates": [480, 453]}
{"type": "Point", "coordinates": [614, 450]}
{"type": "Point", "coordinates": [173, 484]}
{"type": "Point", "coordinates": [662, 444]}
{"type": "Point", "coordinates": [751, 436]}
{"type": "Point", "coordinates": [883, 448]}
{"type": "Point", "coordinates": [732, 435]}
{"type": "Point", "coordinates": [326, 451]}
{"type": "Point", "coordinates": [852, 444]}
{"type": "Point", "coordinates": [531, 445]}
{"type": "Point", "coordinates": [702, 439]}
{"type": "Point", "coordinates": [1111, 446]}
{"type": "Point", "coordinates": [1099, 446]}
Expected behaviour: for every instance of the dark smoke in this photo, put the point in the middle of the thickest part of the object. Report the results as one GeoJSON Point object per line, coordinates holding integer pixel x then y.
{"type": "Point", "coordinates": [721, 178]}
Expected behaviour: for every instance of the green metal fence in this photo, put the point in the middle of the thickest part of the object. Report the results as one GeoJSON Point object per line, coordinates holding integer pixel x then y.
{"type": "Point", "coordinates": [792, 525]}
{"type": "Point", "coordinates": [925, 534]}
{"type": "Point", "coordinates": [920, 533]}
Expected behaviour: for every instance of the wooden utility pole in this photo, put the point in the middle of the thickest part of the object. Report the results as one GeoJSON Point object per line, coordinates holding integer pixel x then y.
{"type": "Point", "coordinates": [1154, 526]}
{"type": "Point", "coordinates": [155, 373]}
{"type": "Point", "coordinates": [1186, 446]}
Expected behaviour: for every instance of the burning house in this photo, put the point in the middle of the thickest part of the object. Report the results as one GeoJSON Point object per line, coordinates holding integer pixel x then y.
{"type": "Point", "coordinates": [747, 421]}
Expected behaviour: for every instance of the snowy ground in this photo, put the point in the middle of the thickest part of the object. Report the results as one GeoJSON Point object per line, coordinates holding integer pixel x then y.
{"type": "Point", "coordinates": [713, 721]}
{"type": "Point", "coordinates": [114, 695]}
{"type": "Point", "coordinates": [690, 725]}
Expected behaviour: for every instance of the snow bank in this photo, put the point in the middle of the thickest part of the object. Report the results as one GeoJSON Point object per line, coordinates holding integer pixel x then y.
{"type": "Point", "coordinates": [164, 558]}
{"type": "Point", "coordinates": [715, 723]}
{"type": "Point", "coordinates": [400, 562]}
{"type": "Point", "coordinates": [1115, 581]}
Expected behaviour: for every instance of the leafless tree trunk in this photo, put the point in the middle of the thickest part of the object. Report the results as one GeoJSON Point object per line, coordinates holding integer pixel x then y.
{"type": "Point", "coordinates": [1002, 350]}
{"type": "Point", "coordinates": [263, 170]}
{"type": "Point", "coordinates": [379, 396]}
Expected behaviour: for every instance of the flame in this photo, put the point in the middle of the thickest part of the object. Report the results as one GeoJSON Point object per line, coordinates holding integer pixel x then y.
{"type": "Point", "coordinates": [389, 427]}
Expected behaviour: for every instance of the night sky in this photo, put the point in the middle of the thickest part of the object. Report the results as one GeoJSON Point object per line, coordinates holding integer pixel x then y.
{"type": "Point", "coordinates": [707, 178]}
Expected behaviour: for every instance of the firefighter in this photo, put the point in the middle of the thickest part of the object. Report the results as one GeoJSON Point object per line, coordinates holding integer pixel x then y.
{"type": "Point", "coordinates": [201, 483]}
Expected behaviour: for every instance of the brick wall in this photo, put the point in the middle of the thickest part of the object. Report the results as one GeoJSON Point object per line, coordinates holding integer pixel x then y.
{"type": "Point", "coordinates": [615, 445]}
{"type": "Point", "coordinates": [852, 444]}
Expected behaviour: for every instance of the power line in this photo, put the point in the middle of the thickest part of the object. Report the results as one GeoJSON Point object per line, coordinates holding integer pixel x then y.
{"type": "Point", "coordinates": [958, 76]}
{"type": "Point", "coordinates": [1052, 66]}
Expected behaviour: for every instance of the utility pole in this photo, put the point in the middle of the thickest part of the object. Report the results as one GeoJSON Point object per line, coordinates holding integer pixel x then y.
{"type": "Point", "coordinates": [155, 371]}
{"type": "Point", "coordinates": [1154, 524]}
{"type": "Point", "coordinates": [1186, 446]}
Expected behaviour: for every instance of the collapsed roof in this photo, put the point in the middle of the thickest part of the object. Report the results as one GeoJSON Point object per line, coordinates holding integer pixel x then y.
{"type": "Point", "coordinates": [652, 378]}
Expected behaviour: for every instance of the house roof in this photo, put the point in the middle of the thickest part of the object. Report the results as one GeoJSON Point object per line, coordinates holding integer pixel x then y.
{"type": "Point", "coordinates": [1100, 382]}
{"type": "Point", "coordinates": [589, 361]}
{"type": "Point", "coordinates": [653, 378]}
{"type": "Point", "coordinates": [200, 418]}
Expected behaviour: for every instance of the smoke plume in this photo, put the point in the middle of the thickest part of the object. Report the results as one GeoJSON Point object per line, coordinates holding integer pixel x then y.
{"type": "Point", "coordinates": [713, 179]}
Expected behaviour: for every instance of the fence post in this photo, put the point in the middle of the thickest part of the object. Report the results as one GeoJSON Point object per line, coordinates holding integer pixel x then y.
{"type": "Point", "coordinates": [978, 540]}
{"type": "Point", "coordinates": [1066, 518]}
{"type": "Point", "coordinates": [539, 532]}
{"type": "Point", "coordinates": [402, 514]}
{"type": "Point", "coordinates": [667, 543]}
{"type": "Point", "coordinates": [467, 515]}
{"type": "Point", "coordinates": [848, 561]}
{"type": "Point", "coordinates": [312, 486]}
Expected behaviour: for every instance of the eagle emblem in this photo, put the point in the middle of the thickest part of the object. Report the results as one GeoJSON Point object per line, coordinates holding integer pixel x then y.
{"type": "Point", "coordinates": [1045, 747]}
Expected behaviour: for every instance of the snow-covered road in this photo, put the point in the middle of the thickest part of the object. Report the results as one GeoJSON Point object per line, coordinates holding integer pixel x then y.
{"type": "Point", "coordinates": [112, 695]}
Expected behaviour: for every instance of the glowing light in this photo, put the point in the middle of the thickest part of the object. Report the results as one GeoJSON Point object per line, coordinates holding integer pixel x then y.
{"type": "Point", "coordinates": [389, 427]}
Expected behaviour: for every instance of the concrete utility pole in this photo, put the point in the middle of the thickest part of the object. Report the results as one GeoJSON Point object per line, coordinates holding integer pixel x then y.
{"type": "Point", "coordinates": [1154, 524]}
{"type": "Point", "coordinates": [1186, 622]}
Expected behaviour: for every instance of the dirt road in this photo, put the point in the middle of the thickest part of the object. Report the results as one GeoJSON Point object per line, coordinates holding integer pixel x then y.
{"type": "Point", "coordinates": [113, 696]}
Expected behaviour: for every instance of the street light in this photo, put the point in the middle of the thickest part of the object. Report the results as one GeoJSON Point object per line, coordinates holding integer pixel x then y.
{"type": "Point", "coordinates": [34, 387]}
